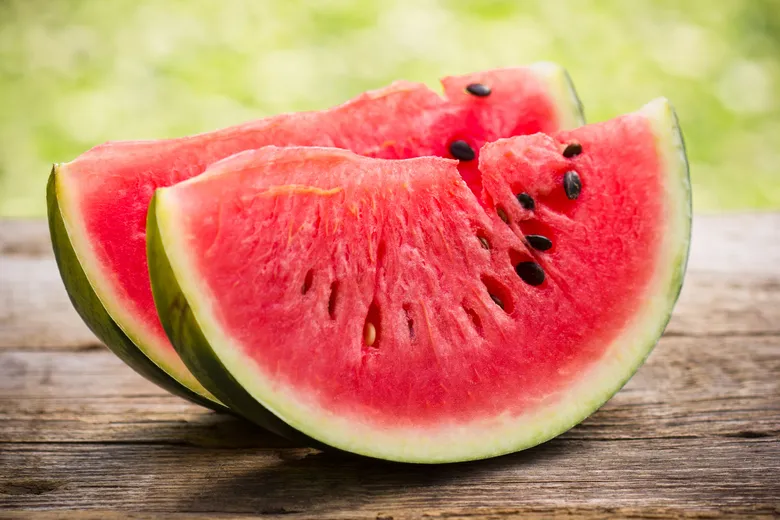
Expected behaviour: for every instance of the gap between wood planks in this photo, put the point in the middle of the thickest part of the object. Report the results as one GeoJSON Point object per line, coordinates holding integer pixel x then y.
{"type": "Point", "coordinates": [564, 473]}
{"type": "Point", "coordinates": [689, 388]}
{"type": "Point", "coordinates": [694, 434]}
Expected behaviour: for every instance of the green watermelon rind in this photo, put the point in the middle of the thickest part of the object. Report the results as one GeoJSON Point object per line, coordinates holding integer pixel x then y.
{"type": "Point", "coordinates": [219, 361]}
{"type": "Point", "coordinates": [112, 323]}
{"type": "Point", "coordinates": [94, 314]}
{"type": "Point", "coordinates": [569, 108]}
{"type": "Point", "coordinates": [181, 328]}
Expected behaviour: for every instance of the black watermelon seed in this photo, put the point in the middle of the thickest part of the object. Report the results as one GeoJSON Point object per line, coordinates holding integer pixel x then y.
{"type": "Point", "coordinates": [497, 300]}
{"type": "Point", "coordinates": [530, 272]}
{"type": "Point", "coordinates": [526, 201]}
{"type": "Point", "coordinates": [572, 184]}
{"type": "Point", "coordinates": [502, 215]}
{"type": "Point", "coordinates": [572, 150]}
{"type": "Point", "coordinates": [462, 151]}
{"type": "Point", "coordinates": [484, 242]}
{"type": "Point", "coordinates": [539, 242]}
{"type": "Point", "coordinates": [478, 89]}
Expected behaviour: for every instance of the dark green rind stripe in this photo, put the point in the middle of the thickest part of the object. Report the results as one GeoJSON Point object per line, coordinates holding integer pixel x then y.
{"type": "Point", "coordinates": [204, 359]}
{"type": "Point", "coordinates": [91, 310]}
{"type": "Point", "coordinates": [579, 109]}
{"type": "Point", "coordinates": [681, 262]}
{"type": "Point", "coordinates": [184, 332]}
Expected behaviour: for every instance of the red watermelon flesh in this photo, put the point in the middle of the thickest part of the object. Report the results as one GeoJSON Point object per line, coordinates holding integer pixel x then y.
{"type": "Point", "coordinates": [380, 307]}
{"type": "Point", "coordinates": [103, 195]}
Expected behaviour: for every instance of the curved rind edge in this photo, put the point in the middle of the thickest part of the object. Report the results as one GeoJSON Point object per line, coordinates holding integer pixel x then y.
{"type": "Point", "coordinates": [195, 351]}
{"type": "Point", "coordinates": [156, 349]}
{"type": "Point", "coordinates": [569, 110]}
{"type": "Point", "coordinates": [571, 113]}
{"type": "Point", "coordinates": [622, 359]}
{"type": "Point", "coordinates": [92, 312]}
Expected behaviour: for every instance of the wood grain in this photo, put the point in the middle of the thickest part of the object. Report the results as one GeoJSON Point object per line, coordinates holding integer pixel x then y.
{"type": "Point", "coordinates": [573, 472]}
{"type": "Point", "coordinates": [35, 311]}
{"type": "Point", "coordinates": [488, 513]}
{"type": "Point", "coordinates": [695, 434]}
{"type": "Point", "coordinates": [536, 512]}
{"type": "Point", "coordinates": [688, 387]}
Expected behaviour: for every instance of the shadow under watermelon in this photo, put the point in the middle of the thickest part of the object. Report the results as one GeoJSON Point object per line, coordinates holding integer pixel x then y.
{"type": "Point", "coordinates": [305, 480]}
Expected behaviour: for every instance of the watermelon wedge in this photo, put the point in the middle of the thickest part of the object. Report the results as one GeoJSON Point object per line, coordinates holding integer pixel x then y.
{"type": "Point", "coordinates": [380, 307]}
{"type": "Point", "coordinates": [98, 202]}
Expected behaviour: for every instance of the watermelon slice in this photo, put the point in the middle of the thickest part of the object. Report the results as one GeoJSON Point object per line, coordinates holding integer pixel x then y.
{"type": "Point", "coordinates": [98, 202]}
{"type": "Point", "coordinates": [380, 307]}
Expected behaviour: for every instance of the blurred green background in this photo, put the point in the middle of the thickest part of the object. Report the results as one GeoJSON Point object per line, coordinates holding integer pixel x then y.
{"type": "Point", "coordinates": [80, 72]}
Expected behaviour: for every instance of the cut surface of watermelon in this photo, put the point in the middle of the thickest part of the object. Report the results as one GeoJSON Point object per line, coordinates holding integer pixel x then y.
{"type": "Point", "coordinates": [102, 196]}
{"type": "Point", "coordinates": [380, 307]}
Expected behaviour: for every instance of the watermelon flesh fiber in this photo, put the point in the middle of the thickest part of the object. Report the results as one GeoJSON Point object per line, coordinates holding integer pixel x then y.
{"type": "Point", "coordinates": [286, 255]}
{"type": "Point", "coordinates": [103, 195]}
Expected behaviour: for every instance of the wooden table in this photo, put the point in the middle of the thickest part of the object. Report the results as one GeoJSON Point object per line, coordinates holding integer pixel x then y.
{"type": "Point", "coordinates": [695, 433]}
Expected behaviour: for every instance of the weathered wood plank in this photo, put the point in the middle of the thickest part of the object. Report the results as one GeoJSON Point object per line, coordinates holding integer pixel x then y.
{"type": "Point", "coordinates": [720, 304]}
{"type": "Point", "coordinates": [690, 387]}
{"type": "Point", "coordinates": [733, 284]}
{"type": "Point", "coordinates": [696, 433]}
{"type": "Point", "coordinates": [25, 238]}
{"type": "Point", "coordinates": [688, 473]}
{"type": "Point", "coordinates": [34, 307]}
{"type": "Point", "coordinates": [736, 243]}
{"type": "Point", "coordinates": [35, 311]}
{"type": "Point", "coordinates": [532, 512]}
{"type": "Point", "coordinates": [698, 427]}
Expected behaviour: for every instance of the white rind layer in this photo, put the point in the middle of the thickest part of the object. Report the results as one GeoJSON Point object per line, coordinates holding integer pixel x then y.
{"type": "Point", "coordinates": [111, 295]}
{"type": "Point", "coordinates": [114, 299]}
{"type": "Point", "coordinates": [568, 107]}
{"type": "Point", "coordinates": [485, 437]}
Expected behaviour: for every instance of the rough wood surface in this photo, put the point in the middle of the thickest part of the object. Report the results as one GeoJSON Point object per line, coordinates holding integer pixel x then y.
{"type": "Point", "coordinates": [717, 299]}
{"type": "Point", "coordinates": [682, 391]}
{"type": "Point", "coordinates": [696, 433]}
